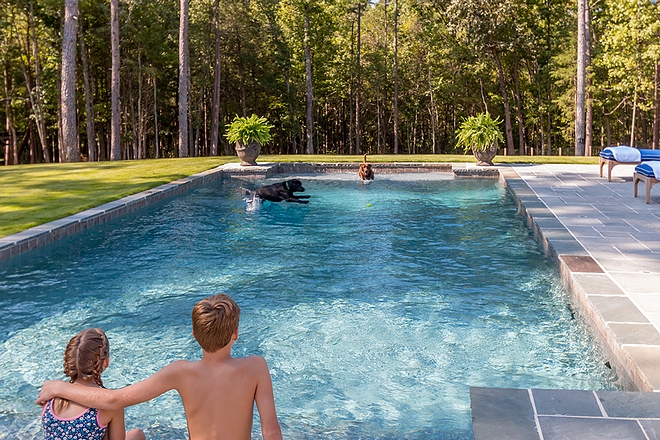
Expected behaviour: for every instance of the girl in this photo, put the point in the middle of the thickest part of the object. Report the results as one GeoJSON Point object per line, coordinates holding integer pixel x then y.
{"type": "Point", "coordinates": [86, 356]}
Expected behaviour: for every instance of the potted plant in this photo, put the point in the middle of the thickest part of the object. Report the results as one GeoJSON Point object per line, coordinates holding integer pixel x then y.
{"type": "Point", "coordinates": [480, 134]}
{"type": "Point", "coordinates": [249, 134]}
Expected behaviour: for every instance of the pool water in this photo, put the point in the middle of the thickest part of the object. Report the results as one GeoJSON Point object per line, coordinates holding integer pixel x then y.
{"type": "Point", "coordinates": [376, 306]}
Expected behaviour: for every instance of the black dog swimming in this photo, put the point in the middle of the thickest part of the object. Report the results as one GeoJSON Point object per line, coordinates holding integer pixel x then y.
{"type": "Point", "coordinates": [281, 192]}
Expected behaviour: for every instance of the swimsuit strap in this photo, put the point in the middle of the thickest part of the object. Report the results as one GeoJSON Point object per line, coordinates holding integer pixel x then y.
{"type": "Point", "coordinates": [286, 186]}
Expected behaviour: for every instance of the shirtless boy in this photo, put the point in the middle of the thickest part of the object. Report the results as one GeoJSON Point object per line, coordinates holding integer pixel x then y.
{"type": "Point", "coordinates": [218, 391]}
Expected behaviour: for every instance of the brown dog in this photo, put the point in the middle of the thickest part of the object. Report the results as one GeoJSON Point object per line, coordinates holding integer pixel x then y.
{"type": "Point", "coordinates": [365, 172]}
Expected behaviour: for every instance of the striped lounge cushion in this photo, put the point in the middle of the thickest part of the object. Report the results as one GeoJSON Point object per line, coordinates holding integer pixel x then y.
{"type": "Point", "coordinates": [650, 154]}
{"type": "Point", "coordinates": [607, 154]}
{"type": "Point", "coordinates": [647, 154]}
{"type": "Point", "coordinates": [645, 170]}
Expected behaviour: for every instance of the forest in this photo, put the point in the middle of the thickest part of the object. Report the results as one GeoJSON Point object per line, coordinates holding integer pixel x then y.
{"type": "Point", "coordinates": [134, 79]}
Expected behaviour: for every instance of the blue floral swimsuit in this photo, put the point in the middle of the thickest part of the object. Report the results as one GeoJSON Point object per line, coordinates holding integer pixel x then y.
{"type": "Point", "coordinates": [85, 426]}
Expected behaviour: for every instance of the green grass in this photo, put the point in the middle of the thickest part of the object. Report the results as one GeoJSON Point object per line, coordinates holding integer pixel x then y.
{"type": "Point", "coordinates": [31, 195]}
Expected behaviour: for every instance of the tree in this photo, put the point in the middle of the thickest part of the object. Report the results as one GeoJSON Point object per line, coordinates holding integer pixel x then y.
{"type": "Point", "coordinates": [115, 124]}
{"type": "Point", "coordinates": [89, 106]}
{"type": "Point", "coordinates": [183, 79]}
{"type": "Point", "coordinates": [70, 152]}
{"type": "Point", "coordinates": [581, 79]}
{"type": "Point", "coordinates": [490, 26]}
{"type": "Point", "coordinates": [396, 76]}
{"type": "Point", "coordinates": [358, 81]}
{"type": "Point", "coordinates": [308, 82]}
{"type": "Point", "coordinates": [215, 108]}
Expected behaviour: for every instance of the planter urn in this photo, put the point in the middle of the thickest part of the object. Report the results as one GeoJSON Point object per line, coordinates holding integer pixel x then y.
{"type": "Point", "coordinates": [248, 153]}
{"type": "Point", "coordinates": [485, 157]}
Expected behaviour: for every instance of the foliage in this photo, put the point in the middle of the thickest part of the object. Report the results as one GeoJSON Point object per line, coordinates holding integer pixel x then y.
{"type": "Point", "coordinates": [447, 70]}
{"type": "Point", "coordinates": [479, 132]}
{"type": "Point", "coordinates": [246, 130]}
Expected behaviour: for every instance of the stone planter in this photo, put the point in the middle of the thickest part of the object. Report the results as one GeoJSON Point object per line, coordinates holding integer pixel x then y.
{"type": "Point", "coordinates": [248, 153]}
{"type": "Point", "coordinates": [485, 157]}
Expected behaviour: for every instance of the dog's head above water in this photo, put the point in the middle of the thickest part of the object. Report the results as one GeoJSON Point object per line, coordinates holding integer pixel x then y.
{"type": "Point", "coordinates": [294, 185]}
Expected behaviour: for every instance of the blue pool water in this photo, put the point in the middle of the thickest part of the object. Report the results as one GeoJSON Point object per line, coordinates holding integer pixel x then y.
{"type": "Point", "coordinates": [375, 306]}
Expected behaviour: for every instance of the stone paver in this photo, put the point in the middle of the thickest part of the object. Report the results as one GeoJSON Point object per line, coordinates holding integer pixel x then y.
{"type": "Point", "coordinates": [621, 234]}
{"type": "Point", "coordinates": [505, 414]}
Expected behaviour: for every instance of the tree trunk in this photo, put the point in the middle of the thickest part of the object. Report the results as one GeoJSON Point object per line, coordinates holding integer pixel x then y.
{"type": "Point", "coordinates": [33, 142]}
{"type": "Point", "coordinates": [358, 81]}
{"type": "Point", "coordinates": [156, 140]}
{"type": "Point", "coordinates": [215, 111]}
{"type": "Point", "coordinates": [589, 115]}
{"type": "Point", "coordinates": [115, 121]}
{"type": "Point", "coordinates": [133, 116]}
{"type": "Point", "coordinates": [69, 151]}
{"type": "Point", "coordinates": [656, 109]}
{"type": "Point", "coordinates": [632, 123]}
{"type": "Point", "coordinates": [549, 131]}
{"type": "Point", "coordinates": [431, 109]}
{"type": "Point", "coordinates": [522, 145]}
{"type": "Point", "coordinates": [293, 132]}
{"type": "Point", "coordinates": [308, 78]}
{"type": "Point", "coordinates": [183, 79]}
{"type": "Point", "coordinates": [34, 95]}
{"type": "Point", "coordinates": [10, 146]}
{"type": "Point", "coordinates": [581, 77]}
{"type": "Point", "coordinates": [89, 106]}
{"type": "Point", "coordinates": [396, 77]}
{"type": "Point", "coordinates": [351, 87]}
{"type": "Point", "coordinates": [608, 131]}
{"type": "Point", "coordinates": [140, 146]}
{"type": "Point", "coordinates": [505, 98]}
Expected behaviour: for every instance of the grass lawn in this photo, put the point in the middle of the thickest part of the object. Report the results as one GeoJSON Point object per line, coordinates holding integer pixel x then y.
{"type": "Point", "coordinates": [31, 195]}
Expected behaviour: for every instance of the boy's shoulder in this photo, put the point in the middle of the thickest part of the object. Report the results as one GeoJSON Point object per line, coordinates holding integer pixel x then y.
{"type": "Point", "coordinates": [249, 363]}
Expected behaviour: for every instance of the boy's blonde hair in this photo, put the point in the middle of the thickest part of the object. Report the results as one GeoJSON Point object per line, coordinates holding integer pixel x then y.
{"type": "Point", "coordinates": [214, 319]}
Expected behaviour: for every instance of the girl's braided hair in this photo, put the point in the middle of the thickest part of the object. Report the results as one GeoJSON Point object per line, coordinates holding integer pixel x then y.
{"type": "Point", "coordinates": [84, 356]}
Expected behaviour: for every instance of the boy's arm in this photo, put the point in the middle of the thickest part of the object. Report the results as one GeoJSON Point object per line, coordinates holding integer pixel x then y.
{"type": "Point", "coordinates": [263, 396]}
{"type": "Point", "coordinates": [116, 428]}
{"type": "Point", "coordinates": [162, 381]}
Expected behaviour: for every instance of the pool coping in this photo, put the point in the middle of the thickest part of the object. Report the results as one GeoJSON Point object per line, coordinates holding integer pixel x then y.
{"type": "Point", "coordinates": [595, 294]}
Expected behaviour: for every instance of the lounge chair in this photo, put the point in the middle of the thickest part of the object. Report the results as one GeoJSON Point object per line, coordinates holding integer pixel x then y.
{"type": "Point", "coordinates": [647, 172]}
{"type": "Point", "coordinates": [614, 156]}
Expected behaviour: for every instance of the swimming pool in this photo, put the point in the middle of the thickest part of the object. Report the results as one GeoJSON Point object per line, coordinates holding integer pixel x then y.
{"type": "Point", "coordinates": [375, 306]}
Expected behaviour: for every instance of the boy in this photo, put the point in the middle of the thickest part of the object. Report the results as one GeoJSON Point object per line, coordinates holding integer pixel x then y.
{"type": "Point", "coordinates": [218, 391]}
